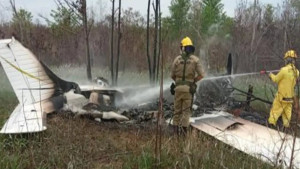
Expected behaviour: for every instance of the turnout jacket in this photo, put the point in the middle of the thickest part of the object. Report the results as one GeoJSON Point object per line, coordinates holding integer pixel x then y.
{"type": "Point", "coordinates": [192, 69]}
{"type": "Point", "coordinates": [286, 80]}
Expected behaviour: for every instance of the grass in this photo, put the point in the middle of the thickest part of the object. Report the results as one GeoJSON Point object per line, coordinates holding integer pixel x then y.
{"type": "Point", "coordinates": [8, 99]}
{"type": "Point", "coordinates": [198, 151]}
{"type": "Point", "coordinates": [80, 143]}
{"type": "Point", "coordinates": [262, 88]}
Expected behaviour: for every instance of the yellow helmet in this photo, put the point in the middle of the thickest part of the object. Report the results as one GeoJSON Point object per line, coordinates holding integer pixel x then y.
{"type": "Point", "coordinates": [291, 54]}
{"type": "Point", "coordinates": [186, 42]}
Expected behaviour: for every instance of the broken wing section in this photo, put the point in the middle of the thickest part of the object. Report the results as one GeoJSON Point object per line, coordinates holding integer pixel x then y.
{"type": "Point", "coordinates": [27, 76]}
{"type": "Point", "coordinates": [25, 119]}
{"type": "Point", "coordinates": [256, 140]}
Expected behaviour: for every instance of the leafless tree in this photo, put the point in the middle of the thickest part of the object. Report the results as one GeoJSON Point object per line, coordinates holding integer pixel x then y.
{"type": "Point", "coordinates": [80, 9]}
{"type": "Point", "coordinates": [119, 43]}
{"type": "Point", "coordinates": [112, 43]}
{"type": "Point", "coordinates": [159, 40]}
{"type": "Point", "coordinates": [155, 45]}
{"type": "Point", "coordinates": [148, 41]}
{"type": "Point", "coordinates": [83, 12]}
{"type": "Point", "coordinates": [153, 63]}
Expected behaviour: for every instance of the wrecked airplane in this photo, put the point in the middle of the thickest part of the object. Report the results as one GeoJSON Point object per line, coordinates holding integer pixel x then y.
{"type": "Point", "coordinates": [39, 91]}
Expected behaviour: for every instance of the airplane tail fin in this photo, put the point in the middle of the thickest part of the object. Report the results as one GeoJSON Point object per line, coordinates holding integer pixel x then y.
{"type": "Point", "coordinates": [25, 73]}
{"type": "Point", "coordinates": [31, 84]}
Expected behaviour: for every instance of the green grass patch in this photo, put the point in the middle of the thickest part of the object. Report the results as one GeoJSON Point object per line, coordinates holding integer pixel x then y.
{"type": "Point", "coordinates": [263, 88]}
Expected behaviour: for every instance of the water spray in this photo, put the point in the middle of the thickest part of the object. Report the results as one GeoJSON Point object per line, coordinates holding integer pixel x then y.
{"type": "Point", "coordinates": [235, 75]}
{"type": "Point", "coordinates": [146, 93]}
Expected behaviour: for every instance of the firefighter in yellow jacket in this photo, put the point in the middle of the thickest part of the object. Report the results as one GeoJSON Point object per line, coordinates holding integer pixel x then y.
{"type": "Point", "coordinates": [186, 71]}
{"type": "Point", "coordinates": [286, 80]}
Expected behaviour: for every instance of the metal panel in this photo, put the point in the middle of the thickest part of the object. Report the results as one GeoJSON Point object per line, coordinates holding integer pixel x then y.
{"type": "Point", "coordinates": [222, 123]}
{"type": "Point", "coordinates": [31, 85]}
{"type": "Point", "coordinates": [259, 141]}
{"type": "Point", "coordinates": [23, 120]}
{"type": "Point", "coordinates": [24, 71]}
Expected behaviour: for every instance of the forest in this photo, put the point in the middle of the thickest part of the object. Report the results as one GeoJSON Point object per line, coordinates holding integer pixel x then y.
{"type": "Point", "coordinates": [257, 34]}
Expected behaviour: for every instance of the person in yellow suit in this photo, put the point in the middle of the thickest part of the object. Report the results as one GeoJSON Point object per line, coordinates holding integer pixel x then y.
{"type": "Point", "coordinates": [186, 71]}
{"type": "Point", "coordinates": [286, 80]}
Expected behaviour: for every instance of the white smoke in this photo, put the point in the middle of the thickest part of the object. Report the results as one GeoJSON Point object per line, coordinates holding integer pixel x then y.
{"type": "Point", "coordinates": [141, 94]}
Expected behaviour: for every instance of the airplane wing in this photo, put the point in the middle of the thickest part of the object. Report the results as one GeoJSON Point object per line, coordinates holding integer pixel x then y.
{"type": "Point", "coordinates": [267, 144]}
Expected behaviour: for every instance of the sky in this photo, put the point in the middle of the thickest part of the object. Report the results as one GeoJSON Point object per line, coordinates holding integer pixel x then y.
{"type": "Point", "coordinates": [44, 7]}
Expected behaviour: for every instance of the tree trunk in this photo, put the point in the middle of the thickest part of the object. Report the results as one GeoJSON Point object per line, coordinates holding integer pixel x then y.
{"type": "Point", "coordinates": [85, 25]}
{"type": "Point", "coordinates": [112, 43]}
{"type": "Point", "coordinates": [159, 42]}
{"type": "Point", "coordinates": [253, 34]}
{"type": "Point", "coordinates": [155, 43]}
{"type": "Point", "coordinates": [148, 39]}
{"type": "Point", "coordinates": [119, 41]}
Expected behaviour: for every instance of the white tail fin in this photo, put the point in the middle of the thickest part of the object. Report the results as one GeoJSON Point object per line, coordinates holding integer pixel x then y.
{"type": "Point", "coordinates": [27, 76]}
{"type": "Point", "coordinates": [32, 86]}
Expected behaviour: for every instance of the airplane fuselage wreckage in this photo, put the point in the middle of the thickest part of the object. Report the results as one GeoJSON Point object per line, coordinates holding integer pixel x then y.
{"type": "Point", "coordinates": [40, 91]}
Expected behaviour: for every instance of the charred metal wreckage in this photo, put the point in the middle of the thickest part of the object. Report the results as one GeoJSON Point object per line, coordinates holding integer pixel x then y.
{"type": "Point", "coordinates": [40, 91]}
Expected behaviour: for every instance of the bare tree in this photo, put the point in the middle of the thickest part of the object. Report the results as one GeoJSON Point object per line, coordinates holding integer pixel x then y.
{"type": "Point", "coordinates": [112, 43]}
{"type": "Point", "coordinates": [153, 63]}
{"type": "Point", "coordinates": [155, 45]}
{"type": "Point", "coordinates": [82, 11]}
{"type": "Point", "coordinates": [148, 41]}
{"type": "Point", "coordinates": [159, 41]}
{"type": "Point", "coordinates": [119, 41]}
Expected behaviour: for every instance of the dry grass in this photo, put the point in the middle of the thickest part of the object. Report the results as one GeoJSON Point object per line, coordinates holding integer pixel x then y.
{"type": "Point", "coordinates": [81, 143]}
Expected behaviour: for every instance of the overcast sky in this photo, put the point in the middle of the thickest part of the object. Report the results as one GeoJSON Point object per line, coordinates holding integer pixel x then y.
{"type": "Point", "coordinates": [44, 7]}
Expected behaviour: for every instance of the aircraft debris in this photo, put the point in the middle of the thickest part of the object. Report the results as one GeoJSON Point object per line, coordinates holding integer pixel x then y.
{"type": "Point", "coordinates": [267, 144]}
{"type": "Point", "coordinates": [40, 91]}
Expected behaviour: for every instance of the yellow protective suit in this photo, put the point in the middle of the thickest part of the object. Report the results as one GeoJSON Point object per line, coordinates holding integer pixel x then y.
{"type": "Point", "coordinates": [282, 104]}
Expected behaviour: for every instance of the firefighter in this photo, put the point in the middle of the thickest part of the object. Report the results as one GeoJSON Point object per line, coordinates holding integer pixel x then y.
{"type": "Point", "coordinates": [286, 80]}
{"type": "Point", "coordinates": [186, 71]}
